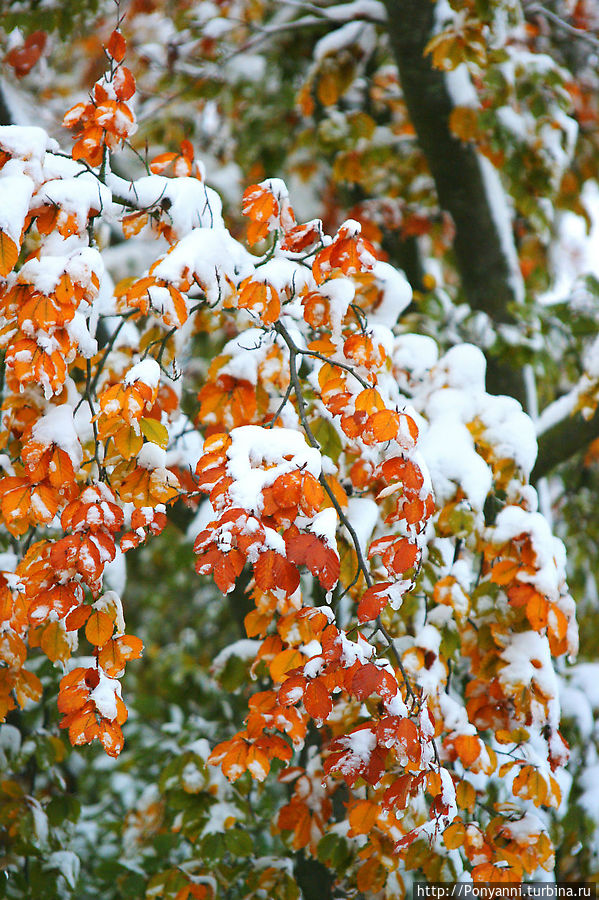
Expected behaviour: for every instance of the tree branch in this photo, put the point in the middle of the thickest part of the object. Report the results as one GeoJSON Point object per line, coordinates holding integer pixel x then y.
{"type": "Point", "coordinates": [484, 258]}
{"type": "Point", "coordinates": [6, 117]}
{"type": "Point", "coordinates": [562, 441]}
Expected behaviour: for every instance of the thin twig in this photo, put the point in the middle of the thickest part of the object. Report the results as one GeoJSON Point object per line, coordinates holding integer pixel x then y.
{"type": "Point", "coordinates": [409, 689]}
{"type": "Point", "coordinates": [293, 352]}
{"type": "Point", "coordinates": [333, 362]}
{"type": "Point", "coordinates": [579, 33]}
{"type": "Point", "coordinates": [281, 405]}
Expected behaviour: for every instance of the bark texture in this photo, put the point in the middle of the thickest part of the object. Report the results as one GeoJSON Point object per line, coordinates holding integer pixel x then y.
{"type": "Point", "coordinates": [485, 271]}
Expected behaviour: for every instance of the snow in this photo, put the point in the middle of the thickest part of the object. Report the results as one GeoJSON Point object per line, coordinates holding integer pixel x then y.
{"type": "Point", "coordinates": [448, 792]}
{"type": "Point", "coordinates": [244, 649]}
{"type": "Point", "coordinates": [212, 256]}
{"type": "Point", "coordinates": [192, 778]}
{"type": "Point", "coordinates": [574, 250]}
{"type": "Point", "coordinates": [356, 9]}
{"type": "Point", "coordinates": [151, 456]}
{"type": "Point", "coordinates": [448, 449]}
{"type": "Point", "coordinates": [464, 367]}
{"type": "Point", "coordinates": [188, 202]}
{"type": "Point", "coordinates": [40, 821]}
{"type": "Point", "coordinates": [26, 142]}
{"type": "Point", "coordinates": [396, 295]}
{"type": "Point", "coordinates": [78, 331]}
{"type": "Point", "coordinates": [414, 354]}
{"type": "Point", "coordinates": [10, 739]}
{"type": "Point", "coordinates": [589, 797]}
{"type": "Point", "coordinates": [361, 743]}
{"type": "Point", "coordinates": [222, 816]}
{"type": "Point", "coordinates": [510, 431]}
{"type": "Point", "coordinates": [68, 865]}
{"type": "Point", "coordinates": [324, 524]}
{"type": "Point", "coordinates": [15, 195]}
{"type": "Point", "coordinates": [147, 371]}
{"type": "Point", "coordinates": [104, 695]}
{"type": "Point", "coordinates": [528, 660]}
{"type": "Point", "coordinates": [76, 195]}
{"type": "Point", "coordinates": [285, 276]}
{"type": "Point", "coordinates": [57, 428]}
{"type": "Point", "coordinates": [501, 214]}
{"type": "Point", "coordinates": [513, 522]}
{"type": "Point", "coordinates": [362, 513]}
{"type": "Point", "coordinates": [335, 41]}
{"type": "Point", "coordinates": [352, 651]}
{"type": "Point", "coordinates": [110, 602]}
{"type": "Point", "coordinates": [253, 447]}
{"type": "Point", "coordinates": [340, 292]}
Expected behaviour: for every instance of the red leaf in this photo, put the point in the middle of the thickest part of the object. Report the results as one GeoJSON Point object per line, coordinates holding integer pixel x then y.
{"type": "Point", "coordinates": [317, 700]}
{"type": "Point", "coordinates": [400, 557]}
{"type": "Point", "coordinates": [398, 793]}
{"type": "Point", "coordinates": [116, 46]}
{"type": "Point", "coordinates": [366, 681]}
{"type": "Point", "coordinates": [274, 571]}
{"type": "Point", "coordinates": [405, 841]}
{"type": "Point", "coordinates": [311, 551]}
{"type": "Point", "coordinates": [23, 58]}
{"type": "Point", "coordinates": [373, 602]}
{"type": "Point", "coordinates": [408, 737]}
{"type": "Point", "coordinates": [292, 690]}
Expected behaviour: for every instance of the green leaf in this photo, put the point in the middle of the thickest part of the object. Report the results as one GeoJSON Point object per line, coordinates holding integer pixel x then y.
{"type": "Point", "coordinates": [239, 842]}
{"type": "Point", "coordinates": [328, 438]}
{"type": "Point", "coordinates": [213, 847]}
{"type": "Point", "coordinates": [234, 673]}
{"type": "Point", "coordinates": [326, 847]}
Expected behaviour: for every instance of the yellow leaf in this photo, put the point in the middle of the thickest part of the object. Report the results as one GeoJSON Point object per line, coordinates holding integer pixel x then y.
{"type": "Point", "coordinates": [127, 442]}
{"type": "Point", "coordinates": [54, 642]}
{"type": "Point", "coordinates": [465, 795]}
{"type": "Point", "coordinates": [155, 432]}
{"type": "Point", "coordinates": [453, 837]}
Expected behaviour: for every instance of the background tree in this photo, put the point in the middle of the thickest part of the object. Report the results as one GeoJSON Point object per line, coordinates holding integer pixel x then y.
{"type": "Point", "coordinates": [361, 688]}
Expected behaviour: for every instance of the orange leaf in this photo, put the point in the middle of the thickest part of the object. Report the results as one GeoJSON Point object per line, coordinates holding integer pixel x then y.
{"type": "Point", "coordinates": [116, 46]}
{"type": "Point", "coordinates": [111, 738]}
{"type": "Point", "coordinates": [77, 617]}
{"type": "Point", "coordinates": [54, 642]}
{"type": "Point", "coordinates": [23, 58]}
{"type": "Point", "coordinates": [397, 794]}
{"type": "Point", "coordinates": [274, 571]}
{"type": "Point", "coordinates": [505, 571]}
{"type": "Point", "coordinates": [453, 837]}
{"type": "Point", "coordinates": [407, 733]}
{"type": "Point", "coordinates": [9, 254]}
{"type": "Point", "coordinates": [468, 748]}
{"type": "Point", "coordinates": [384, 424]}
{"type": "Point", "coordinates": [99, 628]}
{"type": "Point", "coordinates": [537, 609]}
{"type": "Point", "coordinates": [284, 662]}
{"type": "Point", "coordinates": [365, 681]}
{"type": "Point", "coordinates": [370, 401]}
{"type": "Point", "coordinates": [133, 222]}
{"type": "Point", "coordinates": [362, 817]}
{"type": "Point", "coordinates": [310, 550]}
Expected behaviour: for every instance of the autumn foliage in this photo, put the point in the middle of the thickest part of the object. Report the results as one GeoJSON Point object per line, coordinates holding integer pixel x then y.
{"type": "Point", "coordinates": [317, 496]}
